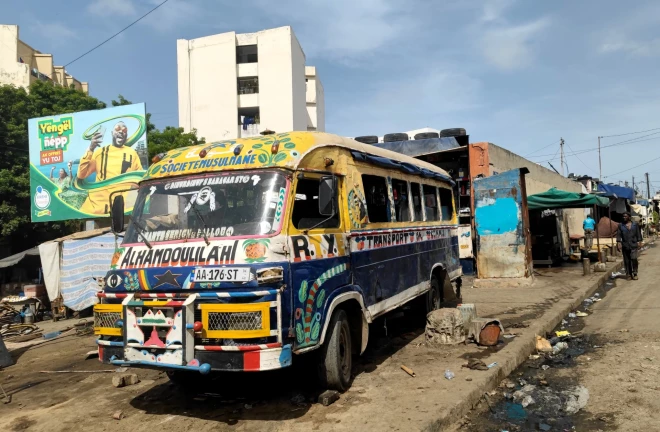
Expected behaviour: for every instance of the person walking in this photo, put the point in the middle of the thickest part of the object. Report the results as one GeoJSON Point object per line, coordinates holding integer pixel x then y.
{"type": "Point", "coordinates": [628, 241]}
{"type": "Point", "coordinates": [589, 225]}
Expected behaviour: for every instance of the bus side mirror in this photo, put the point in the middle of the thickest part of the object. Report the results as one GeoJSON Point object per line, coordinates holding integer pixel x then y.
{"type": "Point", "coordinates": [118, 214]}
{"type": "Point", "coordinates": [328, 196]}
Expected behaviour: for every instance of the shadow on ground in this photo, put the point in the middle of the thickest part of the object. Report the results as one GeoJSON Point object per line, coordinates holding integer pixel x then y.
{"type": "Point", "coordinates": [275, 395]}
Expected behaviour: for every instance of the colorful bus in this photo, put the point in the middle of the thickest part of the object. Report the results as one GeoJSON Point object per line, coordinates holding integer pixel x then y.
{"type": "Point", "coordinates": [243, 254]}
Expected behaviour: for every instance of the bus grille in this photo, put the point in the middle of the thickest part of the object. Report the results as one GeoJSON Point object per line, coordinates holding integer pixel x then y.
{"type": "Point", "coordinates": [235, 320]}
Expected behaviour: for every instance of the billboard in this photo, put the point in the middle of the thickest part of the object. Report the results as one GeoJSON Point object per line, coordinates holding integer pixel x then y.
{"type": "Point", "coordinates": [77, 160]}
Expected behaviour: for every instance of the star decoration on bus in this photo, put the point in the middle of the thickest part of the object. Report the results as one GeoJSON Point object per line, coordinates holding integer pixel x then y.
{"type": "Point", "coordinates": [168, 278]}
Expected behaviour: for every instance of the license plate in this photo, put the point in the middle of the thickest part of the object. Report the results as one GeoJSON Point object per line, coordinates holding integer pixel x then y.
{"type": "Point", "coordinates": [222, 274]}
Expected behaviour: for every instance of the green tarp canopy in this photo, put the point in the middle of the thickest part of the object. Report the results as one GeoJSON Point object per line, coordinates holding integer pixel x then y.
{"type": "Point", "coordinates": [556, 198]}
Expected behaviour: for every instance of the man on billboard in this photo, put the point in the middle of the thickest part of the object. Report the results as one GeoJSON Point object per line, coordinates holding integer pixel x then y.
{"type": "Point", "coordinates": [107, 163]}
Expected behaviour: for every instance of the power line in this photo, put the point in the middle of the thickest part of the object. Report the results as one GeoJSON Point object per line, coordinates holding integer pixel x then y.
{"type": "Point", "coordinates": [578, 158]}
{"type": "Point", "coordinates": [544, 147]}
{"type": "Point", "coordinates": [636, 166]}
{"type": "Point", "coordinates": [589, 150]}
{"type": "Point", "coordinates": [629, 133]}
{"type": "Point", "coordinates": [116, 34]}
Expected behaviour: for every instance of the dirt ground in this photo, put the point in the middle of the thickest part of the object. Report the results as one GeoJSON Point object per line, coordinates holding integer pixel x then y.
{"type": "Point", "coordinates": [616, 357]}
{"type": "Point", "coordinates": [382, 397]}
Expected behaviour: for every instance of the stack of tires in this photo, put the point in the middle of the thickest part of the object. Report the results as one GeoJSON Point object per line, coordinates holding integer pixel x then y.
{"type": "Point", "coordinates": [426, 135]}
{"type": "Point", "coordinates": [367, 139]}
{"type": "Point", "coordinates": [394, 137]}
{"type": "Point", "coordinates": [462, 138]}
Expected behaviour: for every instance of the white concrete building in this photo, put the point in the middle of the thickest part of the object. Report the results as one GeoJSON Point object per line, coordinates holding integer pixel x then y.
{"type": "Point", "coordinates": [21, 65]}
{"type": "Point", "coordinates": [237, 85]}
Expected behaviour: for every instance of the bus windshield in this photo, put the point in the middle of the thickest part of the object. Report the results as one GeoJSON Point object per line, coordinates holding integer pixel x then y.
{"type": "Point", "coordinates": [216, 205]}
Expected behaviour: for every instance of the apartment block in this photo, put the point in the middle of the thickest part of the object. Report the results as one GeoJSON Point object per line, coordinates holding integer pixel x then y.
{"type": "Point", "coordinates": [21, 65]}
{"type": "Point", "coordinates": [238, 85]}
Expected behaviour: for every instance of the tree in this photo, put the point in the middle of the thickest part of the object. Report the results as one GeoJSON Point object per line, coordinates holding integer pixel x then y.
{"type": "Point", "coordinates": [43, 99]}
{"type": "Point", "coordinates": [167, 139]}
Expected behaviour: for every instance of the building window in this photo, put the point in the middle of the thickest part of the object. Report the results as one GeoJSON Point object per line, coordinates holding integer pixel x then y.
{"type": "Point", "coordinates": [401, 201]}
{"type": "Point", "coordinates": [246, 54]}
{"type": "Point", "coordinates": [305, 213]}
{"type": "Point", "coordinates": [416, 194]}
{"type": "Point", "coordinates": [431, 203]}
{"type": "Point", "coordinates": [248, 117]}
{"type": "Point", "coordinates": [446, 204]}
{"type": "Point", "coordinates": [248, 85]}
{"type": "Point", "coordinates": [378, 202]}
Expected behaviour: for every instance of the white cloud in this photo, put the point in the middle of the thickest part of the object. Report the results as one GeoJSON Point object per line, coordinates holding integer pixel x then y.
{"type": "Point", "coordinates": [112, 8]}
{"type": "Point", "coordinates": [430, 97]}
{"type": "Point", "coordinates": [344, 28]}
{"type": "Point", "coordinates": [173, 14]}
{"type": "Point", "coordinates": [632, 34]}
{"type": "Point", "coordinates": [57, 32]}
{"type": "Point", "coordinates": [510, 48]}
{"type": "Point", "coordinates": [494, 9]}
{"type": "Point", "coordinates": [635, 48]}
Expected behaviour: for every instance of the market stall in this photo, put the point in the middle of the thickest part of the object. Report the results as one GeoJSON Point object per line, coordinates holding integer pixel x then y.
{"type": "Point", "coordinates": [74, 267]}
{"type": "Point", "coordinates": [544, 211]}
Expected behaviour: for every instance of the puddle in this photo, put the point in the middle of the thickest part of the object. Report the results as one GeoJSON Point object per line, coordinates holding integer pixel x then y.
{"type": "Point", "coordinates": [543, 393]}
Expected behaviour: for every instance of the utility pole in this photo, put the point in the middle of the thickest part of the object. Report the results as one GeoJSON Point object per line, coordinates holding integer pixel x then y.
{"type": "Point", "coordinates": [561, 150]}
{"type": "Point", "coordinates": [633, 183]}
{"type": "Point", "coordinates": [648, 186]}
{"type": "Point", "coordinates": [600, 165]}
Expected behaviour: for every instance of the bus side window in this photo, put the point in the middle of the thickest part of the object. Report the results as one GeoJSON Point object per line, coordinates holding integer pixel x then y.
{"type": "Point", "coordinates": [446, 204]}
{"type": "Point", "coordinates": [378, 202]}
{"type": "Point", "coordinates": [401, 200]}
{"type": "Point", "coordinates": [432, 213]}
{"type": "Point", "coordinates": [306, 207]}
{"type": "Point", "coordinates": [417, 201]}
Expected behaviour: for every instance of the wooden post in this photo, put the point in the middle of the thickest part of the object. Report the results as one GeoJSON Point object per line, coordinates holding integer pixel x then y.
{"type": "Point", "coordinates": [609, 214]}
{"type": "Point", "coordinates": [597, 236]}
{"type": "Point", "coordinates": [585, 266]}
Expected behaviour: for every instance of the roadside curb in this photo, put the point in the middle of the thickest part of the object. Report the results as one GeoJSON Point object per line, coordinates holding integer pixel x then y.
{"type": "Point", "coordinates": [518, 351]}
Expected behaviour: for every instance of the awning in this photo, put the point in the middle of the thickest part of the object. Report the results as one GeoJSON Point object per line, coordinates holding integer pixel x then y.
{"type": "Point", "coordinates": [610, 190]}
{"type": "Point", "coordinates": [14, 259]}
{"type": "Point", "coordinates": [556, 198]}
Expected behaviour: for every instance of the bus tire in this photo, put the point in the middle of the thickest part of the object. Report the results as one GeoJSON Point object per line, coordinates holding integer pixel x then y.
{"type": "Point", "coordinates": [187, 381]}
{"type": "Point", "coordinates": [453, 132]}
{"type": "Point", "coordinates": [434, 296]}
{"type": "Point", "coordinates": [336, 354]}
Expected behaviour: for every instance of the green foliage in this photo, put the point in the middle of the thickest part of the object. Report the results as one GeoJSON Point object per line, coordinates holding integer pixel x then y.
{"type": "Point", "coordinates": [655, 217]}
{"type": "Point", "coordinates": [43, 99]}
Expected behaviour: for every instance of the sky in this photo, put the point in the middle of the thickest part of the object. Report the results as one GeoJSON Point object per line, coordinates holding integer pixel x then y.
{"type": "Point", "coordinates": [520, 74]}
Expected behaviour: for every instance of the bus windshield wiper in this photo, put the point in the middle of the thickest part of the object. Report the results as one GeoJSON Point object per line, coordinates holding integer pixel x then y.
{"type": "Point", "coordinates": [140, 232]}
{"type": "Point", "coordinates": [201, 219]}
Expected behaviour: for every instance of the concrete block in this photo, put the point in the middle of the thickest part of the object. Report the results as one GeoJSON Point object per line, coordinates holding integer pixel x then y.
{"type": "Point", "coordinates": [125, 380]}
{"type": "Point", "coordinates": [328, 397]}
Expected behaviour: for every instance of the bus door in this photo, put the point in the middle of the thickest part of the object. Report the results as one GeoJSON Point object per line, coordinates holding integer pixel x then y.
{"type": "Point", "coordinates": [319, 257]}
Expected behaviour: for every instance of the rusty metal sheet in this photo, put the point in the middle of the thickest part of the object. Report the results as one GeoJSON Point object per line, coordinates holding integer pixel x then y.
{"type": "Point", "coordinates": [503, 247]}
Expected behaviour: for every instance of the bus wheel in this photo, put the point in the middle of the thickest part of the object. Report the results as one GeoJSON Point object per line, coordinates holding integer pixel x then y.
{"type": "Point", "coordinates": [336, 354]}
{"type": "Point", "coordinates": [187, 381]}
{"type": "Point", "coordinates": [434, 296]}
